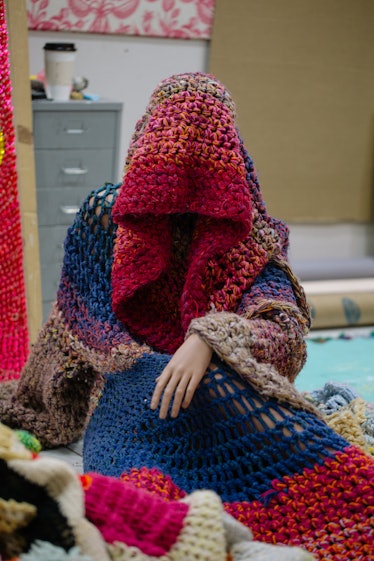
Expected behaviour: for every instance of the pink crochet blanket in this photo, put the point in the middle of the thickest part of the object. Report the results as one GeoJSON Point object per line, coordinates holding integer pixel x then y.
{"type": "Point", "coordinates": [13, 325]}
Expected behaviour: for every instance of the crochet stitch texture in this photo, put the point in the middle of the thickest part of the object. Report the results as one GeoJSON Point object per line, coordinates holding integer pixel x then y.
{"type": "Point", "coordinates": [187, 162]}
{"type": "Point", "coordinates": [248, 434]}
{"type": "Point", "coordinates": [14, 335]}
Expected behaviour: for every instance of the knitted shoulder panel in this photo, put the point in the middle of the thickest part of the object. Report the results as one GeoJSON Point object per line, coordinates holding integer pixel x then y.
{"type": "Point", "coordinates": [84, 294]}
{"type": "Point", "coordinates": [89, 254]}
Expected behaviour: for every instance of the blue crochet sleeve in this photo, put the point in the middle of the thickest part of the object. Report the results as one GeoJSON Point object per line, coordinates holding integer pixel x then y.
{"type": "Point", "coordinates": [273, 284]}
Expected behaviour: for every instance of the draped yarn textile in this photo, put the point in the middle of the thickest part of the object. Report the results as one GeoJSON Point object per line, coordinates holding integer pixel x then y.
{"type": "Point", "coordinates": [14, 336]}
{"type": "Point", "coordinates": [184, 245]}
{"type": "Point", "coordinates": [187, 160]}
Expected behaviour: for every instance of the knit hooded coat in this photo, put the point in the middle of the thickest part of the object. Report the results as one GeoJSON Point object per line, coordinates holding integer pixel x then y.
{"type": "Point", "coordinates": [185, 245]}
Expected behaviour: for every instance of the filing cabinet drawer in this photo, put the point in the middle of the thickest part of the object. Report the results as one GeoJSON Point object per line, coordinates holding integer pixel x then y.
{"type": "Point", "coordinates": [47, 308]}
{"type": "Point", "coordinates": [59, 206]}
{"type": "Point", "coordinates": [51, 244]}
{"type": "Point", "coordinates": [76, 150]}
{"type": "Point", "coordinates": [50, 281]}
{"type": "Point", "coordinates": [73, 129]}
{"type": "Point", "coordinates": [73, 168]}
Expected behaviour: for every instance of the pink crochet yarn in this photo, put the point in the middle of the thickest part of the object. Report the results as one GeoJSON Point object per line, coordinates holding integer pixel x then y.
{"type": "Point", "coordinates": [133, 516]}
{"type": "Point", "coordinates": [13, 325]}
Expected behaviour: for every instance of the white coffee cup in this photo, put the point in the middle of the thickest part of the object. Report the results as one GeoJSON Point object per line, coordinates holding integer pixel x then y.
{"type": "Point", "coordinates": [58, 66]}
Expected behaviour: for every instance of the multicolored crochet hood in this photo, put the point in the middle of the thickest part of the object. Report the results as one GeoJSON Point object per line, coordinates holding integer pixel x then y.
{"type": "Point", "coordinates": [187, 170]}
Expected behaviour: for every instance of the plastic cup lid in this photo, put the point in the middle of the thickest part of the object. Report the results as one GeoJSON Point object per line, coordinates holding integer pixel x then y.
{"type": "Point", "coordinates": [59, 47]}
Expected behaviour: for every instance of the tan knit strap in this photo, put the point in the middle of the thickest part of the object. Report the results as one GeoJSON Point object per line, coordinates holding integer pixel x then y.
{"type": "Point", "coordinates": [231, 338]}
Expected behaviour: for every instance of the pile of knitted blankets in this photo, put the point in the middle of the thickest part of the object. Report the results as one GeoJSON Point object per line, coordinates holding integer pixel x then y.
{"type": "Point", "coordinates": [48, 512]}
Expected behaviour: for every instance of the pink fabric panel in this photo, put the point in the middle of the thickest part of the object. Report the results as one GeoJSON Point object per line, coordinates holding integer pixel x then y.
{"type": "Point", "coordinates": [14, 335]}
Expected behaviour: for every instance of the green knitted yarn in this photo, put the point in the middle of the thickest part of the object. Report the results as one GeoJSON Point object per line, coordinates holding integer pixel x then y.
{"type": "Point", "coordinates": [29, 441]}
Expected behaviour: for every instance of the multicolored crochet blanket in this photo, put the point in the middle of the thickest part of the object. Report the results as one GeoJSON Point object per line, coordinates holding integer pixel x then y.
{"type": "Point", "coordinates": [248, 435]}
{"type": "Point", "coordinates": [49, 513]}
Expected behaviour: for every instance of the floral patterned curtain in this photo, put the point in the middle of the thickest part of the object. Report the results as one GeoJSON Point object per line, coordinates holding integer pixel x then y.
{"type": "Point", "coordinates": [183, 19]}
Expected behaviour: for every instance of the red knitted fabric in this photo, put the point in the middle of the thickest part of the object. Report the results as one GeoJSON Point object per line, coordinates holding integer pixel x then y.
{"type": "Point", "coordinates": [327, 509]}
{"type": "Point", "coordinates": [13, 325]}
{"type": "Point", "coordinates": [154, 481]}
{"type": "Point", "coordinates": [185, 163]}
{"type": "Point", "coordinates": [124, 513]}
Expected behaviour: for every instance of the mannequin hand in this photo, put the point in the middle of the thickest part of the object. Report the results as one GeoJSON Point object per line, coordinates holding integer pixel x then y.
{"type": "Point", "coordinates": [181, 376]}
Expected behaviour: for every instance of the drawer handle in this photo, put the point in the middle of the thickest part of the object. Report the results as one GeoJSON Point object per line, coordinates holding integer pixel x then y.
{"type": "Point", "coordinates": [66, 209]}
{"type": "Point", "coordinates": [75, 171]}
{"type": "Point", "coordinates": [74, 131]}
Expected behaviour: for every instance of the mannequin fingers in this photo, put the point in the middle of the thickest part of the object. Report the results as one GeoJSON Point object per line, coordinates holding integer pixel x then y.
{"type": "Point", "coordinates": [179, 395]}
{"type": "Point", "coordinates": [161, 383]}
{"type": "Point", "coordinates": [191, 388]}
{"type": "Point", "coordinates": [169, 393]}
{"type": "Point", "coordinates": [165, 387]}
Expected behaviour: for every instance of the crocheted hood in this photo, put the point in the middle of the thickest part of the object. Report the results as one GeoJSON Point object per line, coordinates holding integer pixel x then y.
{"type": "Point", "coordinates": [187, 171]}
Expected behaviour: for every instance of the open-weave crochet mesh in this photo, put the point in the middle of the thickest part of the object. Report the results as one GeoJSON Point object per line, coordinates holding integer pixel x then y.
{"type": "Point", "coordinates": [230, 438]}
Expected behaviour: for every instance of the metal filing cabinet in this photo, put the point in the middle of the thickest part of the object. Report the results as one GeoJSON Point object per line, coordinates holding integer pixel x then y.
{"type": "Point", "coordinates": [76, 150]}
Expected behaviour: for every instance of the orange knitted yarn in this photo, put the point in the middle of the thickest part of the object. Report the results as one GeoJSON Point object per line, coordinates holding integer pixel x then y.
{"type": "Point", "coordinates": [13, 326]}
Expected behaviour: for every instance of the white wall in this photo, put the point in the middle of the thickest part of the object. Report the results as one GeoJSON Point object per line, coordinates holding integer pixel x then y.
{"type": "Point", "coordinates": [122, 68]}
{"type": "Point", "coordinates": [127, 69]}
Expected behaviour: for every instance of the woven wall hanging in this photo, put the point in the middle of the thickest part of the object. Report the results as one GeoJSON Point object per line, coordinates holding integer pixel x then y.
{"type": "Point", "coordinates": [13, 314]}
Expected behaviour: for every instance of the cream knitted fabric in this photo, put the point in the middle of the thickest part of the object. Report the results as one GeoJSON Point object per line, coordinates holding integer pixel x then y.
{"type": "Point", "coordinates": [50, 487]}
{"type": "Point", "coordinates": [201, 539]}
{"type": "Point", "coordinates": [232, 339]}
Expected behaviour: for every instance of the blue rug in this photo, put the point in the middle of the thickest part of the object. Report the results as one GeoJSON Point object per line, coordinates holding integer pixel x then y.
{"type": "Point", "coordinates": [347, 361]}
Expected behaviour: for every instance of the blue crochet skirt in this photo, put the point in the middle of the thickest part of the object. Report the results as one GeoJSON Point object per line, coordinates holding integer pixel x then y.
{"type": "Point", "coordinates": [229, 439]}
